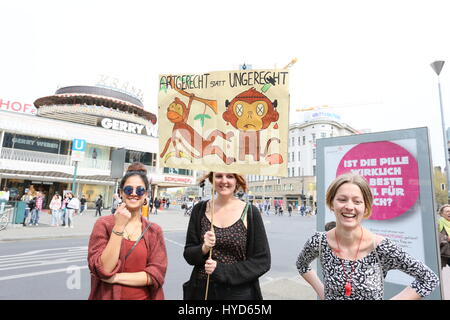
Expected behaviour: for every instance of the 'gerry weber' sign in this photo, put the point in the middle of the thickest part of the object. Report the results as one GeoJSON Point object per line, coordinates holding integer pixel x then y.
{"type": "Point", "coordinates": [120, 125]}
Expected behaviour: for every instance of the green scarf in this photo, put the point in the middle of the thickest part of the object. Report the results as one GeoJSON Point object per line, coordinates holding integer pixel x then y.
{"type": "Point", "coordinates": [444, 223]}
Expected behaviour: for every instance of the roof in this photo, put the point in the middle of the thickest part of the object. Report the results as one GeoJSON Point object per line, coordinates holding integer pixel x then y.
{"type": "Point", "coordinates": [96, 96]}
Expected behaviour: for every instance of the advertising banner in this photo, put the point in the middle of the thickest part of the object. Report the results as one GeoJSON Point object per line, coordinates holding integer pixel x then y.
{"type": "Point", "coordinates": [397, 166]}
{"type": "Point", "coordinates": [228, 121]}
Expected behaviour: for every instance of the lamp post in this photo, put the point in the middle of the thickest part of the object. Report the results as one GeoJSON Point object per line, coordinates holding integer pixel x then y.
{"type": "Point", "coordinates": [437, 67]}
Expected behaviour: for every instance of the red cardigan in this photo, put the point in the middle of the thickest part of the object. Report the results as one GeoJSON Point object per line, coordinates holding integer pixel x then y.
{"type": "Point", "coordinates": [156, 260]}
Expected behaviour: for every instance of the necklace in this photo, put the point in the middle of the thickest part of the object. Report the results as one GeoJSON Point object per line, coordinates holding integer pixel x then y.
{"type": "Point", "coordinates": [130, 235]}
{"type": "Point", "coordinates": [348, 279]}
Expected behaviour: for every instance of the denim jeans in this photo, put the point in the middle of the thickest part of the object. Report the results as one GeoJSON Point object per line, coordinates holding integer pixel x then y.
{"type": "Point", "coordinates": [27, 213]}
{"type": "Point", "coordinates": [55, 217]}
{"type": "Point", "coordinates": [34, 216]}
{"type": "Point", "coordinates": [69, 217]}
{"type": "Point", "coordinates": [63, 216]}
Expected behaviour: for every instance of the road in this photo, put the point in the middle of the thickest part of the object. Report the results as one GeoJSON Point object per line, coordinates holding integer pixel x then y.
{"type": "Point", "coordinates": [57, 268]}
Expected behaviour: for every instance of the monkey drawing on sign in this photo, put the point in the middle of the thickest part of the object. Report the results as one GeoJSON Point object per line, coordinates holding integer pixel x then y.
{"type": "Point", "coordinates": [250, 112]}
{"type": "Point", "coordinates": [183, 133]}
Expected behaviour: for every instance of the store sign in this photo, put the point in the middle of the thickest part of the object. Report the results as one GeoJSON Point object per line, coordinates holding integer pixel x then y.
{"type": "Point", "coordinates": [120, 125]}
{"type": "Point", "coordinates": [23, 142]}
{"type": "Point", "coordinates": [115, 84]}
{"type": "Point", "coordinates": [178, 179]}
{"type": "Point", "coordinates": [78, 149]}
{"type": "Point", "coordinates": [17, 106]}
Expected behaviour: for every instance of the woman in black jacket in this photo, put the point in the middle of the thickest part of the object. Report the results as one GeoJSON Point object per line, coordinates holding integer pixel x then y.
{"type": "Point", "coordinates": [240, 250]}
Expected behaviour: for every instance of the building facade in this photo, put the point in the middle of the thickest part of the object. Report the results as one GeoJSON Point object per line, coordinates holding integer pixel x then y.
{"type": "Point", "coordinates": [299, 187]}
{"type": "Point", "coordinates": [36, 148]}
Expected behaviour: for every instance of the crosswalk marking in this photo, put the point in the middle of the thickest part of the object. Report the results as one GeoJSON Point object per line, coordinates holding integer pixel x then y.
{"type": "Point", "coordinates": [33, 274]}
{"type": "Point", "coordinates": [44, 258]}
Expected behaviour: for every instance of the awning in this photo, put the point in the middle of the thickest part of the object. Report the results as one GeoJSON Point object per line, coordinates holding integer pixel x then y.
{"type": "Point", "coordinates": [55, 176]}
{"type": "Point", "coordinates": [63, 130]}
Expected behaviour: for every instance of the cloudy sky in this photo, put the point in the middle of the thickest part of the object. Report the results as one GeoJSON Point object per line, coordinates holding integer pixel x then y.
{"type": "Point", "coordinates": [371, 58]}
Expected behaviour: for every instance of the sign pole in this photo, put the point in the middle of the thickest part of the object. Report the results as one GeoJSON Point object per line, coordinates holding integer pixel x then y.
{"type": "Point", "coordinates": [212, 229]}
{"type": "Point", "coordinates": [74, 182]}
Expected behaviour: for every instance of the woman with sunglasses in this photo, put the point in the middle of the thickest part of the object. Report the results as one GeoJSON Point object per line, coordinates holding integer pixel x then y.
{"type": "Point", "coordinates": [240, 250]}
{"type": "Point", "coordinates": [127, 255]}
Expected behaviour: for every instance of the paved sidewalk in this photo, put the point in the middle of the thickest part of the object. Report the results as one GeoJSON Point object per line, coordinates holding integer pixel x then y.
{"type": "Point", "coordinates": [171, 219]}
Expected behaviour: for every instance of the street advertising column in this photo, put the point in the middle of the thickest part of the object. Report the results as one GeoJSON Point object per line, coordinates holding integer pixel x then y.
{"type": "Point", "coordinates": [397, 165]}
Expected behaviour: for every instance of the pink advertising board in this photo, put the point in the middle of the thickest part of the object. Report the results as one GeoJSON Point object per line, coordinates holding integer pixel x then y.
{"type": "Point", "coordinates": [392, 173]}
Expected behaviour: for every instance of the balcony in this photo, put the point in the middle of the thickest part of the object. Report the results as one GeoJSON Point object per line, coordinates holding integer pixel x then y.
{"type": "Point", "coordinates": [50, 159]}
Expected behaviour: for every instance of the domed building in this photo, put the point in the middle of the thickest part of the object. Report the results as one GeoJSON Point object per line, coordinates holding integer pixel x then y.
{"type": "Point", "coordinates": [37, 149]}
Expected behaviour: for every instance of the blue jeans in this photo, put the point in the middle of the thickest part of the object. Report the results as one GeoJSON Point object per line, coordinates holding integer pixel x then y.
{"type": "Point", "coordinates": [34, 216]}
{"type": "Point", "coordinates": [27, 212]}
{"type": "Point", "coordinates": [55, 217]}
{"type": "Point", "coordinates": [63, 216]}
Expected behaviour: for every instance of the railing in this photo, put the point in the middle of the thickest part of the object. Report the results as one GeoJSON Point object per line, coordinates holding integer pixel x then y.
{"type": "Point", "coordinates": [34, 156]}
{"type": "Point", "coordinates": [53, 159]}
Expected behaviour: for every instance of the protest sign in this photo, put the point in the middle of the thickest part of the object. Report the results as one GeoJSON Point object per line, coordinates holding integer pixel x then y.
{"type": "Point", "coordinates": [228, 121]}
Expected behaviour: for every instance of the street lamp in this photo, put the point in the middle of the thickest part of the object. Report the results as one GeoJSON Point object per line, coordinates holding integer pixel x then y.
{"type": "Point", "coordinates": [437, 67]}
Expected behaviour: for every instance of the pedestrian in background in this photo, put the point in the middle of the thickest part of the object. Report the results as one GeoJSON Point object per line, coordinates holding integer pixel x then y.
{"type": "Point", "coordinates": [64, 208]}
{"type": "Point", "coordinates": [157, 204]}
{"type": "Point", "coordinates": [290, 209]}
{"type": "Point", "coordinates": [150, 205]}
{"type": "Point", "coordinates": [33, 210]}
{"type": "Point", "coordinates": [354, 260]}
{"type": "Point", "coordinates": [444, 234]}
{"type": "Point", "coordinates": [99, 206]}
{"type": "Point", "coordinates": [82, 204]}
{"type": "Point", "coordinates": [240, 250]}
{"type": "Point", "coordinates": [55, 207]}
{"type": "Point", "coordinates": [72, 206]}
{"type": "Point", "coordinates": [35, 213]}
{"type": "Point", "coordinates": [26, 198]}
{"type": "Point", "coordinates": [4, 198]}
{"type": "Point", "coordinates": [116, 202]}
{"type": "Point", "coordinates": [127, 255]}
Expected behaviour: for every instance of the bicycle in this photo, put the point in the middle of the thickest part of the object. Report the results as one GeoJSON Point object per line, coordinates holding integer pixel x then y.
{"type": "Point", "coordinates": [4, 218]}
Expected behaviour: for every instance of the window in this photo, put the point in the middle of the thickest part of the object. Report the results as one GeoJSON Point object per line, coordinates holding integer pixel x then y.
{"type": "Point", "coordinates": [298, 157]}
{"type": "Point", "coordinates": [313, 137]}
{"type": "Point", "coordinates": [314, 153]}
{"type": "Point", "coordinates": [323, 135]}
{"type": "Point", "coordinates": [293, 141]}
{"type": "Point", "coordinates": [304, 140]}
{"type": "Point", "coordinates": [314, 170]}
{"type": "Point", "coordinates": [298, 140]}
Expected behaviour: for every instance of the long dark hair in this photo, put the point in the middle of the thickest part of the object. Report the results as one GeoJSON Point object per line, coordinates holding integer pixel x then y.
{"type": "Point", "coordinates": [135, 169]}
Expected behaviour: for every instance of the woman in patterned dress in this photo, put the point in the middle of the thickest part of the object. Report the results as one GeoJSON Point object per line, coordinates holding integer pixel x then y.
{"type": "Point", "coordinates": [354, 260]}
{"type": "Point", "coordinates": [240, 252]}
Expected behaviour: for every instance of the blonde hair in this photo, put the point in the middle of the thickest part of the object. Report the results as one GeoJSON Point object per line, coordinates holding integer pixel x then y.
{"type": "Point", "coordinates": [441, 209]}
{"type": "Point", "coordinates": [357, 180]}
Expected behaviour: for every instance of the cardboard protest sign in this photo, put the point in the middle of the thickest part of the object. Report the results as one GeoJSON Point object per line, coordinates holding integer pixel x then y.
{"type": "Point", "coordinates": [231, 121]}
{"type": "Point", "coordinates": [228, 121]}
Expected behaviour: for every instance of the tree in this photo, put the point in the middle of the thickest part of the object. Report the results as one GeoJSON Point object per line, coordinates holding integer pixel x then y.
{"type": "Point", "coordinates": [440, 187]}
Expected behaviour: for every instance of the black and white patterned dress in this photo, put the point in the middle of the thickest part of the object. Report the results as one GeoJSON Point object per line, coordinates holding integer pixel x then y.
{"type": "Point", "coordinates": [369, 272]}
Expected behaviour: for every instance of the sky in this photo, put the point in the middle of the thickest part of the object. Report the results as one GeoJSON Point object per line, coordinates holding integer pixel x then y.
{"type": "Point", "coordinates": [370, 58]}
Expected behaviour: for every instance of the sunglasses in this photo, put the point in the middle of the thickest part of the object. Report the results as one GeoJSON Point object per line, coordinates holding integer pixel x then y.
{"type": "Point", "coordinates": [128, 190]}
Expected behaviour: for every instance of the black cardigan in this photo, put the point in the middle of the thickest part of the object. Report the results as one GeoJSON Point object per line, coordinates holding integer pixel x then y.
{"type": "Point", "coordinates": [249, 270]}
